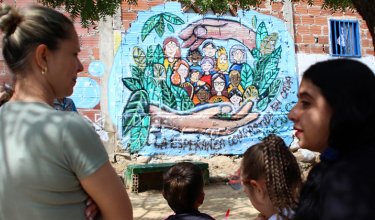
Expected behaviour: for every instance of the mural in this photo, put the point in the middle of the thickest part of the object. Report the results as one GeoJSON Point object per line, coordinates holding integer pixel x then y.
{"type": "Point", "coordinates": [86, 93]}
{"type": "Point", "coordinates": [184, 83]}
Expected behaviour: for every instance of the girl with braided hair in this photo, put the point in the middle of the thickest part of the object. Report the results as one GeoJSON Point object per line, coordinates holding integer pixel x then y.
{"type": "Point", "coordinates": [271, 178]}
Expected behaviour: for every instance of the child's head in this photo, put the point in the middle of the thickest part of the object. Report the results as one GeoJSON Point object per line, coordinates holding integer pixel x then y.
{"type": "Point", "coordinates": [271, 176]}
{"type": "Point", "coordinates": [183, 187]}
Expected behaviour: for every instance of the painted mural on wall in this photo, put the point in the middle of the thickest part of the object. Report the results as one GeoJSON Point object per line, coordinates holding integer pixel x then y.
{"type": "Point", "coordinates": [184, 83]}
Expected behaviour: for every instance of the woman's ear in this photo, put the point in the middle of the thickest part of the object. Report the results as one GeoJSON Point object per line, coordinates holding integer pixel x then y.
{"type": "Point", "coordinates": [41, 56]}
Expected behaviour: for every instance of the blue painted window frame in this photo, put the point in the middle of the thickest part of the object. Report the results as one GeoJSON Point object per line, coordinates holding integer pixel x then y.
{"type": "Point", "coordinates": [345, 38]}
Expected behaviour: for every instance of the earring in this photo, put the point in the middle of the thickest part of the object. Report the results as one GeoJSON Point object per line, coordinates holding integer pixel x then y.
{"type": "Point", "coordinates": [44, 70]}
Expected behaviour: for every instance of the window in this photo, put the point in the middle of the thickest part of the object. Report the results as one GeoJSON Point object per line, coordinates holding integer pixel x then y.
{"type": "Point", "coordinates": [345, 38]}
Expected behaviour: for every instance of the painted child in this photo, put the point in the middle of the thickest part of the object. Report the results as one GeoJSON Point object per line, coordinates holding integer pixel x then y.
{"type": "Point", "coordinates": [235, 79]}
{"type": "Point", "coordinates": [237, 57]}
{"type": "Point", "coordinates": [183, 190]}
{"type": "Point", "coordinates": [172, 52]}
{"type": "Point", "coordinates": [235, 97]}
{"type": "Point", "coordinates": [222, 63]}
{"type": "Point", "coordinates": [180, 73]}
{"type": "Point", "coordinates": [207, 65]}
{"type": "Point", "coordinates": [271, 178]}
{"type": "Point", "coordinates": [219, 89]}
{"type": "Point", "coordinates": [195, 57]}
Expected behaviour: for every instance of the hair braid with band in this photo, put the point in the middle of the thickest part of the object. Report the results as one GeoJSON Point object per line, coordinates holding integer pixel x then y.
{"type": "Point", "coordinates": [272, 160]}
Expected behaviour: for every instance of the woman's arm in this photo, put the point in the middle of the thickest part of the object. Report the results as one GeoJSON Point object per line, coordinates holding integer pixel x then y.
{"type": "Point", "coordinates": [108, 192]}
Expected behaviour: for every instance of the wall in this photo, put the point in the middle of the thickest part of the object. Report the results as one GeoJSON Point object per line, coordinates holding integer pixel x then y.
{"type": "Point", "coordinates": [102, 97]}
{"type": "Point", "coordinates": [159, 107]}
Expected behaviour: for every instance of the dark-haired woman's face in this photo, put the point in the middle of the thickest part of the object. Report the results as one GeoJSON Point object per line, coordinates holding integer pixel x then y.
{"type": "Point", "coordinates": [311, 116]}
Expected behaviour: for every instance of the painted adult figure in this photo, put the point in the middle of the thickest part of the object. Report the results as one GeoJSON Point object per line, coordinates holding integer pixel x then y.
{"type": "Point", "coordinates": [50, 161]}
{"type": "Point", "coordinates": [335, 115]}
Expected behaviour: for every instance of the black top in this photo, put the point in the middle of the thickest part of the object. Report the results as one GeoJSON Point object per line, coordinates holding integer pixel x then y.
{"type": "Point", "coordinates": [194, 215]}
{"type": "Point", "coordinates": [340, 187]}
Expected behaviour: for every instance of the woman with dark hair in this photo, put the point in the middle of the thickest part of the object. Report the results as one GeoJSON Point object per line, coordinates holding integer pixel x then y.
{"type": "Point", "coordinates": [219, 91]}
{"type": "Point", "coordinates": [335, 115]}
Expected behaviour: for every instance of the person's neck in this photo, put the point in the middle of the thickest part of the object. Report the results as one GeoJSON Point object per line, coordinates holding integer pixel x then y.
{"type": "Point", "coordinates": [31, 89]}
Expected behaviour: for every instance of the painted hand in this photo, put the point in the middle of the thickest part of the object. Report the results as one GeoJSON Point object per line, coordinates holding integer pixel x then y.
{"type": "Point", "coordinates": [204, 120]}
{"type": "Point", "coordinates": [209, 28]}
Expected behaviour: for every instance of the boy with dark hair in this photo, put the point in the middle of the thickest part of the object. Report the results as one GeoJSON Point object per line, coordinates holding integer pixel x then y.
{"type": "Point", "coordinates": [183, 190]}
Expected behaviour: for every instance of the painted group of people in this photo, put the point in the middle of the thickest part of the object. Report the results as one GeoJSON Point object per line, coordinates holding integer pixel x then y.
{"type": "Point", "coordinates": [207, 77]}
{"type": "Point", "coordinates": [52, 161]}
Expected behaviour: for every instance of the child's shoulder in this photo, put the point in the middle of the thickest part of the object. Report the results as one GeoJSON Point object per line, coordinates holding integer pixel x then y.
{"type": "Point", "coordinates": [196, 215]}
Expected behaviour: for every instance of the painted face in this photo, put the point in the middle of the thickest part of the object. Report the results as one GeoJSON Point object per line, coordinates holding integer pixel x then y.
{"type": "Point", "coordinates": [171, 49]}
{"type": "Point", "coordinates": [238, 56]}
{"type": "Point", "coordinates": [63, 66]}
{"type": "Point", "coordinates": [209, 51]}
{"type": "Point", "coordinates": [206, 66]}
{"type": "Point", "coordinates": [222, 63]}
{"type": "Point", "coordinates": [183, 71]}
{"type": "Point", "coordinates": [195, 58]}
{"type": "Point", "coordinates": [235, 99]}
{"type": "Point", "coordinates": [219, 84]}
{"type": "Point", "coordinates": [235, 78]}
{"type": "Point", "coordinates": [203, 95]}
{"type": "Point", "coordinates": [194, 77]}
{"type": "Point", "coordinates": [223, 59]}
{"type": "Point", "coordinates": [311, 116]}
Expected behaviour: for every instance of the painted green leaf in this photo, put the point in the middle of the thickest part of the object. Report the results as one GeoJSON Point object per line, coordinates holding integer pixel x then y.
{"type": "Point", "coordinates": [149, 71]}
{"type": "Point", "coordinates": [159, 29]}
{"type": "Point", "coordinates": [170, 28]}
{"type": "Point", "coordinates": [136, 108]}
{"type": "Point", "coordinates": [257, 76]}
{"type": "Point", "coordinates": [275, 88]}
{"type": "Point", "coordinates": [268, 44]}
{"type": "Point", "coordinates": [139, 134]}
{"type": "Point", "coordinates": [268, 78]}
{"type": "Point", "coordinates": [158, 55]}
{"type": "Point", "coordinates": [183, 102]}
{"type": "Point", "coordinates": [256, 53]}
{"type": "Point", "coordinates": [149, 25]}
{"type": "Point", "coordinates": [168, 77]}
{"type": "Point", "coordinates": [246, 75]}
{"type": "Point", "coordinates": [270, 70]}
{"type": "Point", "coordinates": [261, 34]}
{"type": "Point", "coordinates": [168, 97]}
{"type": "Point", "coordinates": [263, 103]}
{"type": "Point", "coordinates": [154, 90]}
{"type": "Point", "coordinates": [254, 22]}
{"type": "Point", "coordinates": [174, 19]}
{"type": "Point", "coordinates": [139, 57]}
{"type": "Point", "coordinates": [150, 55]}
{"type": "Point", "coordinates": [136, 72]}
{"type": "Point", "coordinates": [132, 83]}
{"type": "Point", "coordinates": [159, 71]}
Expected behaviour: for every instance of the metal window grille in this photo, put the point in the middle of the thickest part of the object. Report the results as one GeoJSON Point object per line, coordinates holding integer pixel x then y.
{"type": "Point", "coordinates": [345, 40]}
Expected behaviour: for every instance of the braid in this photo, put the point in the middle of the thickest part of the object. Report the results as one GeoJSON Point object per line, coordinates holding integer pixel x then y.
{"type": "Point", "coordinates": [282, 174]}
